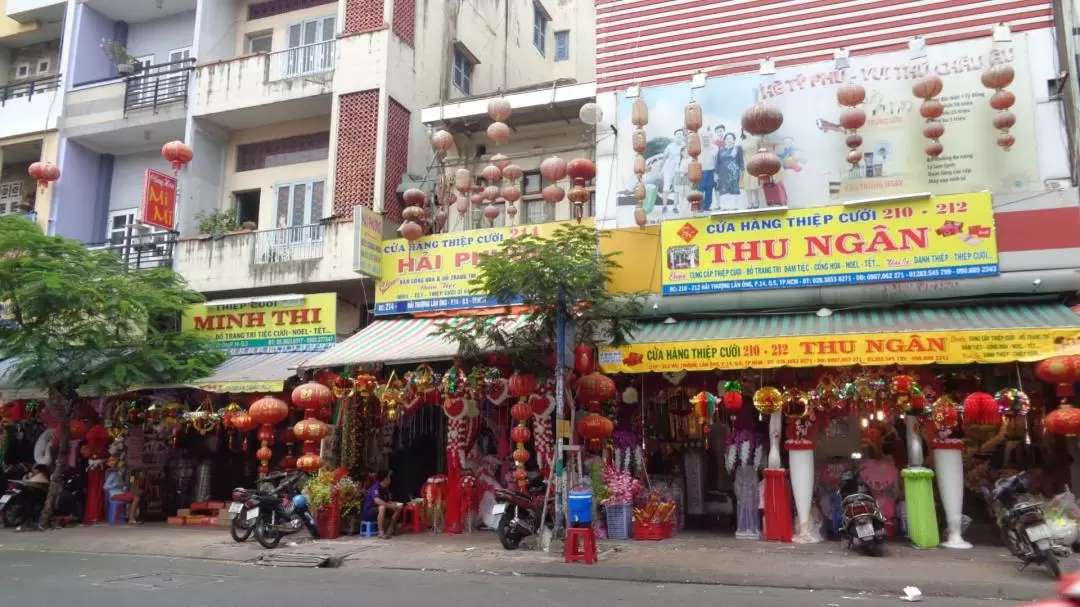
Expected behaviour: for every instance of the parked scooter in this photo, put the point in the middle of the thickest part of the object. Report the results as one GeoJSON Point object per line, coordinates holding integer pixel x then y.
{"type": "Point", "coordinates": [282, 513]}
{"type": "Point", "coordinates": [861, 522]}
{"type": "Point", "coordinates": [241, 527]}
{"type": "Point", "coordinates": [520, 514]}
{"type": "Point", "coordinates": [24, 501]}
{"type": "Point", "coordinates": [1023, 527]}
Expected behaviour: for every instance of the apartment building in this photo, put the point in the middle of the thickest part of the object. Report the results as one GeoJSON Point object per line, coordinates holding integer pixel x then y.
{"type": "Point", "coordinates": [30, 100]}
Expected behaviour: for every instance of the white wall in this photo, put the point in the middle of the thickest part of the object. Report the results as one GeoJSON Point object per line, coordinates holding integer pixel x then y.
{"type": "Point", "coordinates": [215, 35]}
{"type": "Point", "coordinates": [201, 182]}
{"type": "Point", "coordinates": [128, 175]}
{"type": "Point", "coordinates": [159, 36]}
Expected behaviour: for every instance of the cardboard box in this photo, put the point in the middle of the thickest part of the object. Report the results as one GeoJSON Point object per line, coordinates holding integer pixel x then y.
{"type": "Point", "coordinates": [176, 520]}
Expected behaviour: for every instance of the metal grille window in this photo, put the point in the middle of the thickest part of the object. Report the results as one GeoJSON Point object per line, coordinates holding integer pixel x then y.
{"type": "Point", "coordinates": [282, 152]}
{"type": "Point", "coordinates": [562, 45]}
{"type": "Point", "coordinates": [10, 197]}
{"type": "Point", "coordinates": [539, 29]}
{"type": "Point", "coordinates": [539, 211]}
{"type": "Point", "coordinates": [463, 69]}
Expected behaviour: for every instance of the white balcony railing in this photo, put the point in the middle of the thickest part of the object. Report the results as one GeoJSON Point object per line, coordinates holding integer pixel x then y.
{"type": "Point", "coordinates": [301, 61]}
{"type": "Point", "coordinates": [297, 243]}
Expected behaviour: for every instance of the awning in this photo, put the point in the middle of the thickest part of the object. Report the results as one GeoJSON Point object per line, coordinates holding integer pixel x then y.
{"type": "Point", "coordinates": [9, 385]}
{"type": "Point", "coordinates": [962, 335]}
{"type": "Point", "coordinates": [253, 373]}
{"type": "Point", "coordinates": [392, 342]}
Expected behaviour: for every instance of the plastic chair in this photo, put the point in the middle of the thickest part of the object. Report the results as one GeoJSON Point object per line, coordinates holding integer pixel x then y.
{"type": "Point", "coordinates": [583, 552]}
{"type": "Point", "coordinates": [118, 511]}
{"type": "Point", "coordinates": [413, 518]}
{"type": "Point", "coordinates": [369, 528]}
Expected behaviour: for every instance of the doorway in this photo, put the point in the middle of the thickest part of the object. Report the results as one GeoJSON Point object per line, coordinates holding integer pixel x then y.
{"type": "Point", "coordinates": [247, 207]}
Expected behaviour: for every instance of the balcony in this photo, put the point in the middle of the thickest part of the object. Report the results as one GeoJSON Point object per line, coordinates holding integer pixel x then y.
{"type": "Point", "coordinates": [29, 107]}
{"type": "Point", "coordinates": [239, 261]}
{"type": "Point", "coordinates": [32, 11]}
{"type": "Point", "coordinates": [140, 249]}
{"type": "Point", "coordinates": [285, 85]}
{"type": "Point", "coordinates": [284, 245]}
{"type": "Point", "coordinates": [114, 115]}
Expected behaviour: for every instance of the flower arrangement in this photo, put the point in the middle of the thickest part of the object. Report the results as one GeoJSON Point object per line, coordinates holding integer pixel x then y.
{"type": "Point", "coordinates": [621, 487]}
{"type": "Point", "coordinates": [331, 485]}
{"type": "Point", "coordinates": [116, 52]}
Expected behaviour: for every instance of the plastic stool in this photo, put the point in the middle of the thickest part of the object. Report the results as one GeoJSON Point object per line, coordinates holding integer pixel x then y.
{"type": "Point", "coordinates": [586, 552]}
{"type": "Point", "coordinates": [413, 518]}
{"type": "Point", "coordinates": [117, 511]}
{"type": "Point", "coordinates": [369, 528]}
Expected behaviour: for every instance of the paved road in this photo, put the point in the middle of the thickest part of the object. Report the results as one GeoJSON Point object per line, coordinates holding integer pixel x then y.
{"type": "Point", "coordinates": [35, 578]}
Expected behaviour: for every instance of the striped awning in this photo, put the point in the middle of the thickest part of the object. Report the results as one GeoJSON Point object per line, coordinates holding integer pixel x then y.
{"type": "Point", "coordinates": [914, 320]}
{"type": "Point", "coordinates": [253, 373]}
{"type": "Point", "coordinates": [392, 342]}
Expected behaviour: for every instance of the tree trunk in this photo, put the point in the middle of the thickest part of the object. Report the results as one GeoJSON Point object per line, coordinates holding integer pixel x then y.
{"type": "Point", "coordinates": [61, 408]}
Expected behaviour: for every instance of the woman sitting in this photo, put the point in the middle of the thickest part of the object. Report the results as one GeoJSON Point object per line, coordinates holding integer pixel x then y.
{"type": "Point", "coordinates": [120, 490]}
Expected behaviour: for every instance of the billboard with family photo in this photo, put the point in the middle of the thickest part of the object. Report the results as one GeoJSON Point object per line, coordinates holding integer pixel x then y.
{"type": "Point", "coordinates": [810, 143]}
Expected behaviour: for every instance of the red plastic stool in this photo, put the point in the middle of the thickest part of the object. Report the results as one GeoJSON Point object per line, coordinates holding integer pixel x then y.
{"type": "Point", "coordinates": [413, 518]}
{"type": "Point", "coordinates": [586, 552]}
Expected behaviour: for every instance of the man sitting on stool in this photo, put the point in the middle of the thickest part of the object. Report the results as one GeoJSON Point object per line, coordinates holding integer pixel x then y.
{"type": "Point", "coordinates": [377, 503]}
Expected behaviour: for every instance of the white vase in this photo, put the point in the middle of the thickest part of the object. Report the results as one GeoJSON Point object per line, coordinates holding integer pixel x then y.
{"type": "Point", "coordinates": [775, 423]}
{"type": "Point", "coordinates": [801, 462]}
{"type": "Point", "coordinates": [915, 453]}
{"type": "Point", "coordinates": [949, 466]}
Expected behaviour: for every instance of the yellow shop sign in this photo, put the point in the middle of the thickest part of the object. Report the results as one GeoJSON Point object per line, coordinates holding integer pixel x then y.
{"type": "Point", "coordinates": [941, 347]}
{"type": "Point", "coordinates": [938, 237]}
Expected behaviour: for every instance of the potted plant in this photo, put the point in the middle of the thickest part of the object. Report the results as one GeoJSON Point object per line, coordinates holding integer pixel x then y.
{"type": "Point", "coordinates": [118, 55]}
{"type": "Point", "coordinates": [620, 490]}
{"type": "Point", "coordinates": [331, 493]}
{"type": "Point", "coordinates": [217, 222]}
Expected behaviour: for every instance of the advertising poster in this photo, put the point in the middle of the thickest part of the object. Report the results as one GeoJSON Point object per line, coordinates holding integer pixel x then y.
{"type": "Point", "coordinates": [941, 237]}
{"type": "Point", "coordinates": [159, 200]}
{"type": "Point", "coordinates": [368, 257]}
{"type": "Point", "coordinates": [305, 324]}
{"type": "Point", "coordinates": [811, 145]}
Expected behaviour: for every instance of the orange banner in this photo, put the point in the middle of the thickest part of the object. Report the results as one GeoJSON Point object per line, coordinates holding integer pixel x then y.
{"type": "Point", "coordinates": [159, 201]}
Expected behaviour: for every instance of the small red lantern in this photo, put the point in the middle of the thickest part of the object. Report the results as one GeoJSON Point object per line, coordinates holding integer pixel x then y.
{"type": "Point", "coordinates": [522, 385]}
{"type": "Point", "coordinates": [553, 169]}
{"type": "Point", "coordinates": [310, 430]}
{"type": "Point", "coordinates": [521, 456]}
{"type": "Point", "coordinates": [266, 434]}
{"type": "Point", "coordinates": [1064, 420]}
{"type": "Point", "coordinates": [733, 402]}
{"type": "Point", "coordinates": [761, 119]}
{"type": "Point", "coordinates": [1061, 370]}
{"type": "Point", "coordinates": [583, 359]}
{"type": "Point", "coordinates": [553, 194]}
{"type": "Point", "coordinates": [521, 411]}
{"type": "Point", "coordinates": [311, 396]}
{"type": "Point", "coordinates": [243, 422]}
{"type": "Point", "coordinates": [309, 462]}
{"type": "Point", "coordinates": [442, 141]}
{"type": "Point", "coordinates": [78, 429]}
{"type": "Point", "coordinates": [287, 463]}
{"type": "Point", "coordinates": [981, 411]}
{"type": "Point", "coordinates": [520, 434]}
{"type": "Point", "coordinates": [595, 428]}
{"type": "Point", "coordinates": [177, 153]}
{"type": "Point", "coordinates": [411, 231]}
{"type": "Point", "coordinates": [596, 387]}
{"type": "Point", "coordinates": [268, 411]}
{"type": "Point", "coordinates": [499, 132]}
{"type": "Point", "coordinates": [44, 173]}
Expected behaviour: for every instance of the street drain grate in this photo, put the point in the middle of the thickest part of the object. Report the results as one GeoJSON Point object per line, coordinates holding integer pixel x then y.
{"type": "Point", "coordinates": [297, 559]}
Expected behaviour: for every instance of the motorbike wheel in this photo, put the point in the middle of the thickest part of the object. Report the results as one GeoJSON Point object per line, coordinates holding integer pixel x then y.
{"type": "Point", "coordinates": [240, 529]}
{"type": "Point", "coordinates": [15, 514]}
{"type": "Point", "coordinates": [874, 548]}
{"type": "Point", "coordinates": [312, 526]}
{"type": "Point", "coordinates": [1051, 562]}
{"type": "Point", "coordinates": [266, 536]}
{"type": "Point", "coordinates": [507, 537]}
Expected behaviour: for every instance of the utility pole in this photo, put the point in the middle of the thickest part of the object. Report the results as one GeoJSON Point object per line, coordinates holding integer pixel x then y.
{"type": "Point", "coordinates": [560, 401]}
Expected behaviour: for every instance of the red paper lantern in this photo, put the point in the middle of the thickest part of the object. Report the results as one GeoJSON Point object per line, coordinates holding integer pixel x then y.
{"type": "Point", "coordinates": [263, 455]}
{"type": "Point", "coordinates": [595, 427]}
{"type": "Point", "coordinates": [521, 456]}
{"type": "Point", "coordinates": [266, 434]}
{"type": "Point", "coordinates": [521, 411]}
{"type": "Point", "coordinates": [1061, 370]}
{"type": "Point", "coordinates": [78, 429]}
{"type": "Point", "coordinates": [411, 231]}
{"type": "Point", "coordinates": [269, 411]}
{"type": "Point", "coordinates": [442, 141]}
{"type": "Point", "coordinates": [311, 396]}
{"type": "Point", "coordinates": [581, 170]}
{"type": "Point", "coordinates": [499, 132]}
{"type": "Point", "coordinates": [553, 194]}
{"type": "Point", "coordinates": [596, 387]}
{"type": "Point", "coordinates": [309, 462]}
{"type": "Point", "coordinates": [44, 173]}
{"type": "Point", "coordinates": [177, 153]}
{"type": "Point", "coordinates": [981, 411]}
{"type": "Point", "coordinates": [243, 422]}
{"type": "Point", "coordinates": [553, 169]}
{"type": "Point", "coordinates": [583, 359]}
{"type": "Point", "coordinates": [1064, 420]}
{"type": "Point", "coordinates": [733, 402]}
{"type": "Point", "coordinates": [522, 384]}
{"type": "Point", "coordinates": [761, 119]}
{"type": "Point", "coordinates": [287, 463]}
{"type": "Point", "coordinates": [310, 429]}
{"type": "Point", "coordinates": [520, 434]}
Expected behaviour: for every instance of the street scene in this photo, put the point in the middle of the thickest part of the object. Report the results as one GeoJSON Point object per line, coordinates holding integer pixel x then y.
{"type": "Point", "coordinates": [539, 302]}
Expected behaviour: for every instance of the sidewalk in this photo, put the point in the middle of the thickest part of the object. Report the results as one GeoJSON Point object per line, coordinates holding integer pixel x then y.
{"type": "Point", "coordinates": [984, 572]}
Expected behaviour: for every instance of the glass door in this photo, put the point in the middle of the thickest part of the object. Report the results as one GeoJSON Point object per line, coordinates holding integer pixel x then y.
{"type": "Point", "coordinates": [309, 51]}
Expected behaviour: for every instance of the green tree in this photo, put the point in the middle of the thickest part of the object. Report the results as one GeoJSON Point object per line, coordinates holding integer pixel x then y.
{"type": "Point", "coordinates": [532, 271]}
{"type": "Point", "coordinates": [84, 325]}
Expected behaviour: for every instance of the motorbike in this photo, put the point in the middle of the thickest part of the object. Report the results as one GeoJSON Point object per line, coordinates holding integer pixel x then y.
{"type": "Point", "coordinates": [283, 512]}
{"type": "Point", "coordinates": [1068, 593]}
{"type": "Point", "coordinates": [1023, 527]}
{"type": "Point", "coordinates": [520, 514]}
{"type": "Point", "coordinates": [241, 526]}
{"type": "Point", "coordinates": [23, 502]}
{"type": "Point", "coordinates": [862, 525]}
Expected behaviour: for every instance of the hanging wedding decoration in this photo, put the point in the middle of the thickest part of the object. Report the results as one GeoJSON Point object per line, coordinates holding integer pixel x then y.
{"type": "Point", "coordinates": [639, 116]}
{"type": "Point", "coordinates": [693, 120]}
{"type": "Point", "coordinates": [733, 398]}
{"type": "Point", "coordinates": [998, 77]}
{"type": "Point", "coordinates": [852, 118]}
{"type": "Point", "coordinates": [311, 397]}
{"type": "Point", "coordinates": [542, 403]}
{"type": "Point", "coordinates": [521, 412]}
{"type": "Point", "coordinates": [1012, 402]}
{"type": "Point", "coordinates": [981, 411]}
{"type": "Point", "coordinates": [761, 120]}
{"type": "Point", "coordinates": [928, 88]}
{"type": "Point", "coordinates": [581, 172]}
{"type": "Point", "coordinates": [499, 110]}
{"type": "Point", "coordinates": [554, 171]}
{"type": "Point", "coordinates": [463, 184]}
{"type": "Point", "coordinates": [510, 192]}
